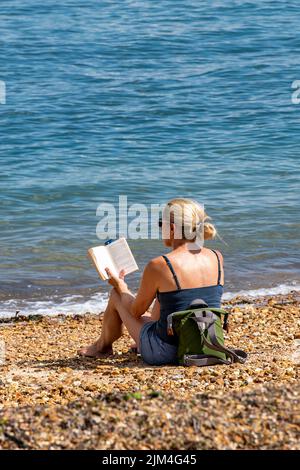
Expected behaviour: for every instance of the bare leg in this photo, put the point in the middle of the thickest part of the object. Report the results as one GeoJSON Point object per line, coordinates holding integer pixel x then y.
{"type": "Point", "coordinates": [112, 329]}
{"type": "Point", "coordinates": [153, 315]}
{"type": "Point", "coordinates": [133, 324]}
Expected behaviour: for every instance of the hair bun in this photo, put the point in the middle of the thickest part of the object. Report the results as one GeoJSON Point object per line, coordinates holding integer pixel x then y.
{"type": "Point", "coordinates": [190, 219]}
{"type": "Point", "coordinates": [210, 231]}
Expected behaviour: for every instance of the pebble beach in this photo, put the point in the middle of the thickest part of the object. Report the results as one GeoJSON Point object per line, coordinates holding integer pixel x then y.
{"type": "Point", "coordinates": [108, 111]}
{"type": "Point", "coordinates": [52, 399]}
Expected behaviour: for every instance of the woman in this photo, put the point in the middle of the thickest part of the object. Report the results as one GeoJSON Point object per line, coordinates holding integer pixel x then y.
{"type": "Point", "coordinates": [190, 271]}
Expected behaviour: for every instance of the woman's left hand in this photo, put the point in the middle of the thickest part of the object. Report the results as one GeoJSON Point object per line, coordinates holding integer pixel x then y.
{"type": "Point", "coordinates": [117, 282]}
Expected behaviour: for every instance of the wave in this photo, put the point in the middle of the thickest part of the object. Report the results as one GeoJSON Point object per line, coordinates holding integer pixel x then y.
{"type": "Point", "coordinates": [74, 304]}
{"type": "Point", "coordinates": [282, 289]}
{"type": "Point", "coordinates": [80, 305]}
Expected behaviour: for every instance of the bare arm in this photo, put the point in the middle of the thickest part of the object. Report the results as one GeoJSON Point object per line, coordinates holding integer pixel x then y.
{"type": "Point", "coordinates": [147, 290]}
{"type": "Point", "coordinates": [155, 312]}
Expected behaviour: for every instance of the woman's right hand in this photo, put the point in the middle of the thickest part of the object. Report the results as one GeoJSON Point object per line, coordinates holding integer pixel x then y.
{"type": "Point", "coordinates": [117, 282]}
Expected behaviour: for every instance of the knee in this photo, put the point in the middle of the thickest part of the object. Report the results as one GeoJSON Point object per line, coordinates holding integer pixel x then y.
{"type": "Point", "coordinates": [114, 296]}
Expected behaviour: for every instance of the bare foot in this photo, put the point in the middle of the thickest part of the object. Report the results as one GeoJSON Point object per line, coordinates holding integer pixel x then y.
{"type": "Point", "coordinates": [94, 351]}
{"type": "Point", "coordinates": [133, 348]}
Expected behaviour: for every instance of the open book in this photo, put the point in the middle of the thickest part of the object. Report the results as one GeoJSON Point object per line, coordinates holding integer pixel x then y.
{"type": "Point", "coordinates": [115, 256]}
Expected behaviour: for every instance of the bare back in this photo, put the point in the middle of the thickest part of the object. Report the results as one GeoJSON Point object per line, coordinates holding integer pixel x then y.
{"type": "Point", "coordinates": [193, 269]}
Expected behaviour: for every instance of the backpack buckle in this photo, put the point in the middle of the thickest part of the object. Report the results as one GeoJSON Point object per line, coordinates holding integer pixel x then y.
{"type": "Point", "coordinates": [170, 331]}
{"type": "Point", "coordinates": [197, 303]}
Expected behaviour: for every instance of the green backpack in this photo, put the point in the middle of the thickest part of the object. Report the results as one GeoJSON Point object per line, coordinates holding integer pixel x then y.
{"type": "Point", "coordinates": [200, 333]}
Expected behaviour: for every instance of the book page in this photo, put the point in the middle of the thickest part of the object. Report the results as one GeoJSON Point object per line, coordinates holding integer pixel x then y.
{"type": "Point", "coordinates": [122, 256]}
{"type": "Point", "coordinates": [102, 259]}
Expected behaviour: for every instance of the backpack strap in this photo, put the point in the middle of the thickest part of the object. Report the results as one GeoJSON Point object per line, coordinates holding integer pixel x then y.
{"type": "Point", "coordinates": [208, 315]}
{"type": "Point", "coordinates": [203, 360]}
{"type": "Point", "coordinates": [219, 266]}
{"type": "Point", "coordinates": [207, 360]}
{"type": "Point", "coordinates": [237, 355]}
{"type": "Point", "coordinates": [172, 271]}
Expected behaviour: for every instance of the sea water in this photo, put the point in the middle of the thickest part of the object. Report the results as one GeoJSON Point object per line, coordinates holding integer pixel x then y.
{"type": "Point", "coordinates": [151, 100]}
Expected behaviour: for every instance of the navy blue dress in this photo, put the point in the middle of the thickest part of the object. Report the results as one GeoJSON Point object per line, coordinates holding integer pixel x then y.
{"type": "Point", "coordinates": [156, 347]}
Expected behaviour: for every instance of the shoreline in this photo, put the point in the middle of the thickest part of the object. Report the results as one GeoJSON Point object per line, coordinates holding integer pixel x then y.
{"type": "Point", "coordinates": [52, 399]}
{"type": "Point", "coordinates": [96, 302]}
{"type": "Point", "coordinates": [240, 300]}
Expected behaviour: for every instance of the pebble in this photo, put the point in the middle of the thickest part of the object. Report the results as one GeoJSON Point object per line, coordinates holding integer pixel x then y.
{"type": "Point", "coordinates": [52, 399]}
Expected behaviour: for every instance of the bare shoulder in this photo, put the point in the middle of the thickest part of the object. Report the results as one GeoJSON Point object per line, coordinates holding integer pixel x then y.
{"type": "Point", "coordinates": [220, 256]}
{"type": "Point", "coordinates": [218, 253]}
{"type": "Point", "coordinates": [155, 264]}
{"type": "Point", "coordinates": [153, 271]}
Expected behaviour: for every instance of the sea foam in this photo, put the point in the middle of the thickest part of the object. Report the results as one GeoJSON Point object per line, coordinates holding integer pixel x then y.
{"type": "Point", "coordinates": [77, 304]}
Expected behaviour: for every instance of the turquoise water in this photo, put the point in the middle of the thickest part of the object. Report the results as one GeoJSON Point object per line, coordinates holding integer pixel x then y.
{"type": "Point", "coordinates": [151, 100]}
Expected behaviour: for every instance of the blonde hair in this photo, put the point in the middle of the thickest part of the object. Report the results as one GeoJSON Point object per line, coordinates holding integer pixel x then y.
{"type": "Point", "coordinates": [190, 217]}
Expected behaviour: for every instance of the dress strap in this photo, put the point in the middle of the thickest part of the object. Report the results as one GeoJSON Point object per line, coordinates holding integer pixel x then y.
{"type": "Point", "coordinates": [219, 266]}
{"type": "Point", "coordinates": [172, 271]}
